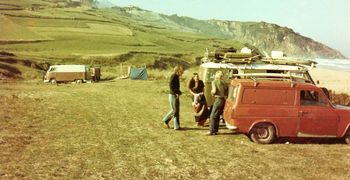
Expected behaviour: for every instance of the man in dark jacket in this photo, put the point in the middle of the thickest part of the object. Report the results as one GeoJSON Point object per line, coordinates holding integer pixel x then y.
{"type": "Point", "coordinates": [174, 98]}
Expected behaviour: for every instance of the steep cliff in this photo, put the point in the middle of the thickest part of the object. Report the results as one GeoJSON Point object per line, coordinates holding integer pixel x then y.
{"type": "Point", "coordinates": [263, 35]}
{"type": "Point", "coordinates": [268, 37]}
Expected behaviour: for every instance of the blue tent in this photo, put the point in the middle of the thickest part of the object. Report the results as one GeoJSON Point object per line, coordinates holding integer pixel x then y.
{"type": "Point", "coordinates": [138, 73]}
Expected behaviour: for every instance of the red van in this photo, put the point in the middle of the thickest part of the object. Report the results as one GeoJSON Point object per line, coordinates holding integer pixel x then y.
{"type": "Point", "coordinates": [266, 110]}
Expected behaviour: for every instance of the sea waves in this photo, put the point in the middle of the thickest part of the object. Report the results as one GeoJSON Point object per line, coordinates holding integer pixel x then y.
{"type": "Point", "coordinates": [334, 64]}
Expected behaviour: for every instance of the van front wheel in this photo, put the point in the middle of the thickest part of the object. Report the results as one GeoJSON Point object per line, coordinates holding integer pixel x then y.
{"type": "Point", "coordinates": [263, 134]}
{"type": "Point", "coordinates": [53, 81]}
{"type": "Point", "coordinates": [347, 137]}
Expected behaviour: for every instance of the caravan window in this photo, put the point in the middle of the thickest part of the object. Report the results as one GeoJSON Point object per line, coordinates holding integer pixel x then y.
{"type": "Point", "coordinates": [52, 69]}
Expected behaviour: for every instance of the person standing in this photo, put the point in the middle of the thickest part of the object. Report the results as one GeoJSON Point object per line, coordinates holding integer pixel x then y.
{"type": "Point", "coordinates": [196, 87]}
{"type": "Point", "coordinates": [174, 98]}
{"type": "Point", "coordinates": [219, 88]}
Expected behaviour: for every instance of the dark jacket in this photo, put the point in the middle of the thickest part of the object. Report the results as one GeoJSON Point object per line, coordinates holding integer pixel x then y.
{"type": "Point", "coordinates": [198, 89]}
{"type": "Point", "coordinates": [174, 84]}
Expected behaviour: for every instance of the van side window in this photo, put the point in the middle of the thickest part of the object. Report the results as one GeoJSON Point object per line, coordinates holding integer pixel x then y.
{"type": "Point", "coordinates": [311, 98]}
{"type": "Point", "coordinates": [232, 93]}
{"type": "Point", "coordinates": [52, 69]}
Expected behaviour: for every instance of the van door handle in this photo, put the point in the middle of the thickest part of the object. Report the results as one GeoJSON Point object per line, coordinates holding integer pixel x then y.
{"type": "Point", "coordinates": [301, 113]}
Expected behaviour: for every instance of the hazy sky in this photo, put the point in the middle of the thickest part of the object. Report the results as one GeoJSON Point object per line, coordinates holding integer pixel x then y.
{"type": "Point", "coordinates": [326, 21]}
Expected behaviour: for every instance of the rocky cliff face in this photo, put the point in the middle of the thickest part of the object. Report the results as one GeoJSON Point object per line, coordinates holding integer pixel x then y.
{"type": "Point", "coordinates": [268, 37]}
{"type": "Point", "coordinates": [104, 4]}
{"type": "Point", "coordinates": [264, 36]}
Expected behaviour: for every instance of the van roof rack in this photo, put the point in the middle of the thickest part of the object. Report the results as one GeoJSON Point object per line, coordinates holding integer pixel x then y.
{"type": "Point", "coordinates": [242, 58]}
{"type": "Point", "coordinates": [289, 61]}
{"type": "Point", "coordinates": [272, 76]}
{"type": "Point", "coordinates": [246, 60]}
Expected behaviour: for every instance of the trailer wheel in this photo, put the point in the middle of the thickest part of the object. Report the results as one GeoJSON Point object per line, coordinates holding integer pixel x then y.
{"type": "Point", "coordinates": [78, 81]}
{"type": "Point", "coordinates": [263, 133]}
{"type": "Point", "coordinates": [53, 81]}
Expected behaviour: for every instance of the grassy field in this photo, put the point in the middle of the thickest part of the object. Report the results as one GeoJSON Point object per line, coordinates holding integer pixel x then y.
{"type": "Point", "coordinates": [113, 130]}
{"type": "Point", "coordinates": [12, 31]}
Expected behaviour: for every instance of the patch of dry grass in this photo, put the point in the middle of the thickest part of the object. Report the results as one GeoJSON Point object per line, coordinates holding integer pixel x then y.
{"type": "Point", "coordinates": [113, 129]}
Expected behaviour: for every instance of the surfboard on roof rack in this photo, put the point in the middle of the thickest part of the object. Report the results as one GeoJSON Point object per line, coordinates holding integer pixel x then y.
{"type": "Point", "coordinates": [245, 64]}
{"type": "Point", "coordinates": [289, 61]}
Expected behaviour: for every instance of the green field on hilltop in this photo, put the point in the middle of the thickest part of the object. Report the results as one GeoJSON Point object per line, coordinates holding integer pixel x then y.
{"type": "Point", "coordinates": [73, 33]}
{"type": "Point", "coordinates": [113, 130]}
{"type": "Point", "coordinates": [16, 32]}
{"type": "Point", "coordinates": [101, 37]}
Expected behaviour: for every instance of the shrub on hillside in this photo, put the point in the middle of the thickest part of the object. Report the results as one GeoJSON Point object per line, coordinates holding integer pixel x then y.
{"type": "Point", "coordinates": [342, 98]}
{"type": "Point", "coordinates": [4, 54]}
{"type": "Point", "coordinates": [166, 62]}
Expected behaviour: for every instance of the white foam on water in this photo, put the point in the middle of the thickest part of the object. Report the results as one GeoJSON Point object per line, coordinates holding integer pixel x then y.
{"type": "Point", "coordinates": [334, 64]}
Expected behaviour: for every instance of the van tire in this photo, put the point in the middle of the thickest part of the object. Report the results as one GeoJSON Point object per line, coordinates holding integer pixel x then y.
{"type": "Point", "coordinates": [78, 81]}
{"type": "Point", "coordinates": [263, 133]}
{"type": "Point", "coordinates": [347, 137]}
{"type": "Point", "coordinates": [53, 81]}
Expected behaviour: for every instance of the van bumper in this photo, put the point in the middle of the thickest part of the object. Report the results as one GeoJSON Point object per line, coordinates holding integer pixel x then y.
{"type": "Point", "coordinates": [230, 127]}
{"type": "Point", "coordinates": [46, 81]}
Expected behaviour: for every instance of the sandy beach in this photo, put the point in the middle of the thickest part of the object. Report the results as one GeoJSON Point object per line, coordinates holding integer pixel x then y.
{"type": "Point", "coordinates": [338, 81]}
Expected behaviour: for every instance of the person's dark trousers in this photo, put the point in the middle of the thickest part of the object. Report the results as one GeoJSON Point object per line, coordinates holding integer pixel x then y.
{"type": "Point", "coordinates": [174, 112]}
{"type": "Point", "coordinates": [216, 112]}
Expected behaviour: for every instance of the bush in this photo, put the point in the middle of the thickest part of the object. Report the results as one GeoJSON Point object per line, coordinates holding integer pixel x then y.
{"type": "Point", "coordinates": [342, 98]}
{"type": "Point", "coordinates": [166, 62]}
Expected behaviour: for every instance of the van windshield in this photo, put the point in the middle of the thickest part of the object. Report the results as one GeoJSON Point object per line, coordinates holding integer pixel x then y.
{"type": "Point", "coordinates": [210, 74]}
{"type": "Point", "coordinates": [52, 69]}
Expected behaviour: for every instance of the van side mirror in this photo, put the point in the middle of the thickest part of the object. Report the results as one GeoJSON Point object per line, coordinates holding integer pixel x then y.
{"type": "Point", "coordinates": [318, 82]}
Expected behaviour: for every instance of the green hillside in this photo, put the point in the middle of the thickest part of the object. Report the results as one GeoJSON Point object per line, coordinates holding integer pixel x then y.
{"type": "Point", "coordinates": [106, 34]}
{"type": "Point", "coordinates": [12, 32]}
{"type": "Point", "coordinates": [57, 31]}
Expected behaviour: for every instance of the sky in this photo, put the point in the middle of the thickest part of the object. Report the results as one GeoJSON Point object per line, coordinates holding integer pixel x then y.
{"type": "Point", "coordinates": [326, 21]}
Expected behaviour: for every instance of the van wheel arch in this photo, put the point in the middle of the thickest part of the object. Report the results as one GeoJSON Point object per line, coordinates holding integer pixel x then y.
{"type": "Point", "coordinates": [53, 81]}
{"type": "Point", "coordinates": [263, 133]}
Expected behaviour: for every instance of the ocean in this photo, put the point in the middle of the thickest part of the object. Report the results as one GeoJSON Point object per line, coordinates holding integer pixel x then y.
{"type": "Point", "coordinates": [334, 64]}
